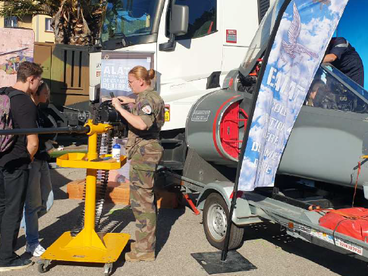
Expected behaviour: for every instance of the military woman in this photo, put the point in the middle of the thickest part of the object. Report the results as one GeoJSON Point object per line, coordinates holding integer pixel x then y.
{"type": "Point", "coordinates": [145, 121]}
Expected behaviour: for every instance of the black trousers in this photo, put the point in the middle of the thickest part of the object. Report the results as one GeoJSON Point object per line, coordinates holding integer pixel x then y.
{"type": "Point", "coordinates": [13, 190]}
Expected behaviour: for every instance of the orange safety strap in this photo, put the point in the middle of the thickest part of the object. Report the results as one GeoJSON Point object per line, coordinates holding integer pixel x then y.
{"type": "Point", "coordinates": [318, 209]}
{"type": "Point", "coordinates": [210, 28]}
{"type": "Point", "coordinates": [356, 183]}
{"type": "Point", "coordinates": [189, 201]}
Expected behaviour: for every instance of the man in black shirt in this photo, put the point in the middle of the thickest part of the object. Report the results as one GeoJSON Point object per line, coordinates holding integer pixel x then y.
{"type": "Point", "coordinates": [14, 164]}
{"type": "Point", "coordinates": [343, 56]}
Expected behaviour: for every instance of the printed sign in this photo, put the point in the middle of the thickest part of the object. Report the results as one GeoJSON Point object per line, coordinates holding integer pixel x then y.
{"type": "Point", "coordinates": [231, 36]}
{"type": "Point", "coordinates": [200, 115]}
{"type": "Point", "coordinates": [338, 242]}
{"type": "Point", "coordinates": [98, 70]}
{"type": "Point", "coordinates": [115, 67]}
{"type": "Point", "coordinates": [302, 37]}
{"type": "Point", "coordinates": [328, 238]}
{"type": "Point", "coordinates": [167, 113]}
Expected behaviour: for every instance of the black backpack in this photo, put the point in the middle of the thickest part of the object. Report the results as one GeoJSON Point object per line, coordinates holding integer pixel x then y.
{"type": "Point", "coordinates": [6, 121]}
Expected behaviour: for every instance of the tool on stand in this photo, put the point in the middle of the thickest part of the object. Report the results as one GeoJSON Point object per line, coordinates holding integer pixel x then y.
{"type": "Point", "coordinates": [104, 144]}
{"type": "Point", "coordinates": [86, 245]}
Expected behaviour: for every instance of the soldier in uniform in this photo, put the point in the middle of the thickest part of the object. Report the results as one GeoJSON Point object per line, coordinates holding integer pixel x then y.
{"type": "Point", "coordinates": [344, 57]}
{"type": "Point", "coordinates": [145, 121]}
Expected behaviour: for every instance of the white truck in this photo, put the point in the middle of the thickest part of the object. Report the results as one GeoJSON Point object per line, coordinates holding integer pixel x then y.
{"type": "Point", "coordinates": [195, 44]}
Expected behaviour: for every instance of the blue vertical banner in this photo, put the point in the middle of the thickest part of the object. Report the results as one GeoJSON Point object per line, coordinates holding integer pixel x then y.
{"type": "Point", "coordinates": [305, 30]}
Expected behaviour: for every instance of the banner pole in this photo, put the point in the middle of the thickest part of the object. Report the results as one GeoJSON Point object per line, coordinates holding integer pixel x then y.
{"type": "Point", "coordinates": [246, 133]}
{"type": "Point", "coordinates": [230, 221]}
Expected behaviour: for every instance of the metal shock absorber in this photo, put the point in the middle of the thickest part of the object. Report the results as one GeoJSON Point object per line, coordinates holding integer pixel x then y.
{"type": "Point", "coordinates": [104, 146]}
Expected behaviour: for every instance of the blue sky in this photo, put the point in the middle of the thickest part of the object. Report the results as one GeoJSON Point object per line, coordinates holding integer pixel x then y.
{"type": "Point", "coordinates": [353, 26]}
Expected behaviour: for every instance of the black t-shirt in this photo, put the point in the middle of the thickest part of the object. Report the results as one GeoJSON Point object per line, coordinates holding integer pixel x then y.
{"type": "Point", "coordinates": [24, 115]}
{"type": "Point", "coordinates": [348, 60]}
{"type": "Point", "coordinates": [43, 122]}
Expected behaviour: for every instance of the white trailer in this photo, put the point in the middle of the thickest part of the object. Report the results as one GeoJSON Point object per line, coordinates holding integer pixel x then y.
{"type": "Point", "coordinates": [297, 206]}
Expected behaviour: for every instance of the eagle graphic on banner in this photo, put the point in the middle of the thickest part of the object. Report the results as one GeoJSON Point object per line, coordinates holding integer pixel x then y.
{"type": "Point", "coordinates": [323, 2]}
{"type": "Point", "coordinates": [293, 47]}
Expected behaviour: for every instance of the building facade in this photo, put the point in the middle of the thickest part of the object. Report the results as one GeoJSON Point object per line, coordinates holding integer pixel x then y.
{"type": "Point", "coordinates": [40, 23]}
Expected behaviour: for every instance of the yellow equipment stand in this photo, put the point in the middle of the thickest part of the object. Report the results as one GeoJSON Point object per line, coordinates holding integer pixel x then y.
{"type": "Point", "coordinates": [88, 246]}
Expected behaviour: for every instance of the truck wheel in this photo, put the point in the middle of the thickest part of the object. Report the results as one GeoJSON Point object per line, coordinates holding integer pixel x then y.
{"type": "Point", "coordinates": [215, 219]}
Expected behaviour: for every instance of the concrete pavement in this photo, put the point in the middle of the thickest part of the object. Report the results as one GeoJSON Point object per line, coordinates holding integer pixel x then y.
{"type": "Point", "coordinates": [180, 233]}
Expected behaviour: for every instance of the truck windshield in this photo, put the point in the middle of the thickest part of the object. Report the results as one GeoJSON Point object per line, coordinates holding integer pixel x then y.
{"type": "Point", "coordinates": [127, 18]}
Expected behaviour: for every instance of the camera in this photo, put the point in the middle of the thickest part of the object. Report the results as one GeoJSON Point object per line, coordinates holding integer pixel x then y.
{"type": "Point", "coordinates": [106, 113]}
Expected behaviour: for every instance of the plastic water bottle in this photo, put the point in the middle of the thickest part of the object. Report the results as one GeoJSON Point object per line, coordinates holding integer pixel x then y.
{"type": "Point", "coordinates": [116, 151]}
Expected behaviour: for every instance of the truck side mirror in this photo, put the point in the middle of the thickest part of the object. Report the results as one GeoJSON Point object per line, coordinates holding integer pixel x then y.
{"type": "Point", "coordinates": [179, 21]}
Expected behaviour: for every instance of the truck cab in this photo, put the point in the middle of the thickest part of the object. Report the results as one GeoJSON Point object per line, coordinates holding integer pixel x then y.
{"type": "Point", "coordinates": [194, 44]}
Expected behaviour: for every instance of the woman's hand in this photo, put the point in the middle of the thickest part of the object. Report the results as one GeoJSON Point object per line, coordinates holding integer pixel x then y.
{"type": "Point", "coordinates": [116, 103]}
{"type": "Point", "coordinates": [125, 100]}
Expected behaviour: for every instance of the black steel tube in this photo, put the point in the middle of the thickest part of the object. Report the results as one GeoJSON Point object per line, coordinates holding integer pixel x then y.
{"type": "Point", "coordinates": [54, 130]}
{"type": "Point", "coordinates": [246, 134]}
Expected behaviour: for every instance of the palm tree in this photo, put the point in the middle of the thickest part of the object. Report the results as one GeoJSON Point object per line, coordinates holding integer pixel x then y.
{"type": "Point", "coordinates": [75, 22]}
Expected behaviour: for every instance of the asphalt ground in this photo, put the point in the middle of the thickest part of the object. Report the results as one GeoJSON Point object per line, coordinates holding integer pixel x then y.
{"type": "Point", "coordinates": [180, 233]}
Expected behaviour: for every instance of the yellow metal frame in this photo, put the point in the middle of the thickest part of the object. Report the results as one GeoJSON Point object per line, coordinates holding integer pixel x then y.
{"type": "Point", "coordinates": [89, 246]}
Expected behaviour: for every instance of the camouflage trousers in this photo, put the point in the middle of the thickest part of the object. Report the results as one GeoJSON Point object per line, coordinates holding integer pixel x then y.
{"type": "Point", "coordinates": [143, 166]}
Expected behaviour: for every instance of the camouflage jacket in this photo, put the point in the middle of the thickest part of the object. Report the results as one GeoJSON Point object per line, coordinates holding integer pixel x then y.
{"type": "Point", "coordinates": [150, 107]}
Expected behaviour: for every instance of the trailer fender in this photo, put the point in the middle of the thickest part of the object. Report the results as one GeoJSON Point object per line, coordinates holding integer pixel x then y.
{"type": "Point", "coordinates": [225, 189]}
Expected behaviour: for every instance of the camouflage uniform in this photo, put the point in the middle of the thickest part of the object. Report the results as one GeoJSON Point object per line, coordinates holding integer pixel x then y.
{"type": "Point", "coordinates": [145, 152]}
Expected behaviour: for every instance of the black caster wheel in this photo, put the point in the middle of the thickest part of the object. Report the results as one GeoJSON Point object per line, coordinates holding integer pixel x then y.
{"type": "Point", "coordinates": [43, 266]}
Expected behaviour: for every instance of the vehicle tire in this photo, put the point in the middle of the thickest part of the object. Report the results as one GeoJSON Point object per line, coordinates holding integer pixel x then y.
{"type": "Point", "coordinates": [215, 219]}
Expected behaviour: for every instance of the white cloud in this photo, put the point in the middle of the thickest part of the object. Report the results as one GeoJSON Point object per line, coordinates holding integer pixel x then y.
{"type": "Point", "coordinates": [247, 176]}
{"type": "Point", "coordinates": [314, 36]}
